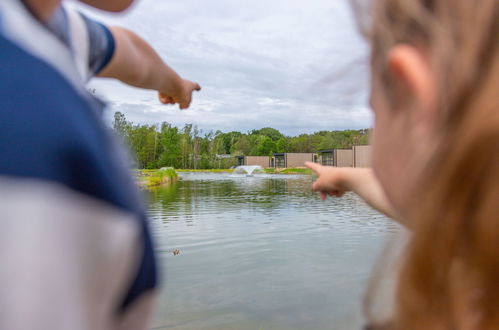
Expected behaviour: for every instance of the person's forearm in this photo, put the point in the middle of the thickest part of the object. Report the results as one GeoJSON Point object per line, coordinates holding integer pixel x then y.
{"type": "Point", "coordinates": [364, 183]}
{"type": "Point", "coordinates": [136, 63]}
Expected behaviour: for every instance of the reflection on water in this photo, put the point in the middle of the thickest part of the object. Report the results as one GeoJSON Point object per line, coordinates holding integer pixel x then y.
{"type": "Point", "coordinates": [261, 252]}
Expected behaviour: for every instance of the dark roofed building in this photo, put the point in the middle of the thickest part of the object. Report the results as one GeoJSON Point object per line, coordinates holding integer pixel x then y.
{"type": "Point", "coordinates": [285, 160]}
{"type": "Point", "coordinates": [263, 161]}
{"type": "Point", "coordinates": [336, 157]}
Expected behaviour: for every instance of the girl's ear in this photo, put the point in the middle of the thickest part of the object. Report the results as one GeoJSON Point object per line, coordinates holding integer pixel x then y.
{"type": "Point", "coordinates": [410, 67]}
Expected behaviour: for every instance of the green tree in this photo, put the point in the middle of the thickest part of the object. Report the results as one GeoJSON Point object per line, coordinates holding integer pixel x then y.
{"type": "Point", "coordinates": [243, 146]}
{"type": "Point", "coordinates": [120, 125]}
{"type": "Point", "coordinates": [170, 151]}
{"type": "Point", "coordinates": [229, 139]}
{"type": "Point", "coordinates": [143, 143]}
{"type": "Point", "coordinates": [270, 132]}
{"type": "Point", "coordinates": [264, 146]}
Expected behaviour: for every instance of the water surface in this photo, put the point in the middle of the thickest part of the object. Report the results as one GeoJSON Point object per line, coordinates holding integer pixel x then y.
{"type": "Point", "coordinates": [262, 252]}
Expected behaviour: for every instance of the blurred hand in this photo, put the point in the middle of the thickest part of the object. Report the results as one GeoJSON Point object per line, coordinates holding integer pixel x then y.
{"type": "Point", "coordinates": [330, 180]}
{"type": "Point", "coordinates": [184, 96]}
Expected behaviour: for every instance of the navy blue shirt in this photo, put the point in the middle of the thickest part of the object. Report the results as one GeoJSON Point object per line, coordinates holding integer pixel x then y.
{"type": "Point", "coordinates": [100, 39]}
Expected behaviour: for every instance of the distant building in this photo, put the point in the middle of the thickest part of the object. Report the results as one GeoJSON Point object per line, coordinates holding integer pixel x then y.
{"type": "Point", "coordinates": [284, 160]}
{"type": "Point", "coordinates": [263, 161]}
{"type": "Point", "coordinates": [326, 157]}
{"type": "Point", "coordinates": [361, 156]}
{"type": "Point", "coordinates": [336, 157]}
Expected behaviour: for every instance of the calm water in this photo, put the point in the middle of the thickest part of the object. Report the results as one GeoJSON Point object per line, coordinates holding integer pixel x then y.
{"type": "Point", "coordinates": [262, 252]}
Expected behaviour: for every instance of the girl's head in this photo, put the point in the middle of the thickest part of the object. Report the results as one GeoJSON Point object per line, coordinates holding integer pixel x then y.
{"type": "Point", "coordinates": [435, 94]}
{"type": "Point", "coordinates": [433, 61]}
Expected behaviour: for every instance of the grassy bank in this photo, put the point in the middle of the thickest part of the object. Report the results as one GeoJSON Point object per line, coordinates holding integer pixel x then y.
{"type": "Point", "coordinates": [155, 178]}
{"type": "Point", "coordinates": [304, 171]}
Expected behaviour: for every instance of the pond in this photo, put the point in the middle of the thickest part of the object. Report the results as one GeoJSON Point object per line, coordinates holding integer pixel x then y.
{"type": "Point", "coordinates": [262, 252]}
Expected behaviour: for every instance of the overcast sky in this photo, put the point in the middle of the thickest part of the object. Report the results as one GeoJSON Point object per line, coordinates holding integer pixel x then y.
{"type": "Point", "coordinates": [298, 66]}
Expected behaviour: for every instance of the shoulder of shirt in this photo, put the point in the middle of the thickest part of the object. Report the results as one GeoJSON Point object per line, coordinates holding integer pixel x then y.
{"type": "Point", "coordinates": [48, 131]}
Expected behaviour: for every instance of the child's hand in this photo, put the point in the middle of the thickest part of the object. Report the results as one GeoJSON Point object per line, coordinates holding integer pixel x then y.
{"type": "Point", "coordinates": [330, 180]}
{"type": "Point", "coordinates": [336, 181]}
{"type": "Point", "coordinates": [184, 96]}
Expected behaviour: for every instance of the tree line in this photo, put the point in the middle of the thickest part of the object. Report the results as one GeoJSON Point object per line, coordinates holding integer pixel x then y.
{"type": "Point", "coordinates": [165, 145]}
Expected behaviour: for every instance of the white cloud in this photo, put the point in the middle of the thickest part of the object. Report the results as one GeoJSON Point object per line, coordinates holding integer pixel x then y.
{"type": "Point", "coordinates": [293, 65]}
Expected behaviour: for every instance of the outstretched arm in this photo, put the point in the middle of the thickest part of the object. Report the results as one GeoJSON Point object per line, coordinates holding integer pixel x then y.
{"type": "Point", "coordinates": [335, 181]}
{"type": "Point", "coordinates": [135, 63]}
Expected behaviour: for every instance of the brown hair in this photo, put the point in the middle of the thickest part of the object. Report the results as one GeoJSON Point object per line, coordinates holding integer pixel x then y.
{"type": "Point", "coordinates": [450, 271]}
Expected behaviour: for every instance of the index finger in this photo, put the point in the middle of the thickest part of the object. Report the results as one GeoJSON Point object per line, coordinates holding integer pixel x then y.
{"type": "Point", "coordinates": [314, 167]}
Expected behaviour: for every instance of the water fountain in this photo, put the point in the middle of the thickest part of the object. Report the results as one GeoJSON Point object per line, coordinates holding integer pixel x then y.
{"type": "Point", "coordinates": [248, 169]}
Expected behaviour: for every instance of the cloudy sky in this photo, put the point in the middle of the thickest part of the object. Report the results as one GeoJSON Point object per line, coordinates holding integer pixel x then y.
{"type": "Point", "coordinates": [298, 66]}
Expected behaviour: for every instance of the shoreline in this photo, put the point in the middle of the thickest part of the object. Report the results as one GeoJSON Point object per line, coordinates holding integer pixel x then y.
{"type": "Point", "coordinates": [297, 170]}
{"type": "Point", "coordinates": [155, 178]}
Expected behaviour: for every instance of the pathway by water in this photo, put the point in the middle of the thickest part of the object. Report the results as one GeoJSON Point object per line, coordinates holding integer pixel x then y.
{"type": "Point", "coordinates": [262, 252]}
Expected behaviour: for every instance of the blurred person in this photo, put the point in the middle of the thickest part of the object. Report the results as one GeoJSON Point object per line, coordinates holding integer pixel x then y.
{"type": "Point", "coordinates": [435, 80]}
{"type": "Point", "coordinates": [75, 248]}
